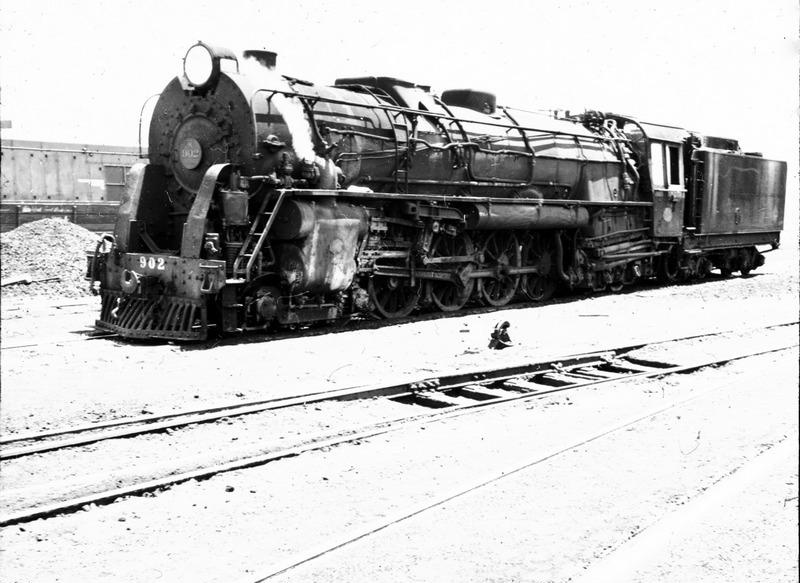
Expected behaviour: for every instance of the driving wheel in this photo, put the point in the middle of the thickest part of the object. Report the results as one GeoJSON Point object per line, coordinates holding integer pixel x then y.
{"type": "Point", "coordinates": [500, 251]}
{"type": "Point", "coordinates": [449, 296]}
{"type": "Point", "coordinates": [539, 251]}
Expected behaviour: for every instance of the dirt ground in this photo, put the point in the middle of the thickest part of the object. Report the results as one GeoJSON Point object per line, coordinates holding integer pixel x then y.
{"type": "Point", "coordinates": [572, 515]}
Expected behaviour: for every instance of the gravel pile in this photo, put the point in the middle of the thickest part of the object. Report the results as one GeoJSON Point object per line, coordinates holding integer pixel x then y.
{"type": "Point", "coordinates": [44, 249]}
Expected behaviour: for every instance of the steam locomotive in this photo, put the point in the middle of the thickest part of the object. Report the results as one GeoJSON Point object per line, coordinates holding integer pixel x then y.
{"type": "Point", "coordinates": [269, 201]}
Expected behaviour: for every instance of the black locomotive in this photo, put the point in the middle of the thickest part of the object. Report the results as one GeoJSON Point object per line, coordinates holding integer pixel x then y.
{"type": "Point", "coordinates": [269, 201]}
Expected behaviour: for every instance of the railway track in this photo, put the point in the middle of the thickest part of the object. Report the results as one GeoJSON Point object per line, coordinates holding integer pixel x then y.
{"type": "Point", "coordinates": [430, 391]}
{"type": "Point", "coordinates": [558, 374]}
{"type": "Point", "coordinates": [357, 323]}
{"type": "Point", "coordinates": [444, 398]}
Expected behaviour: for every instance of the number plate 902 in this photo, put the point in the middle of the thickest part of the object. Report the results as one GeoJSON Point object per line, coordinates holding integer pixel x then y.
{"type": "Point", "coordinates": [157, 263]}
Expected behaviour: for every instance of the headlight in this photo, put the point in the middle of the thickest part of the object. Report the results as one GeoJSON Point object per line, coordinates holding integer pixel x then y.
{"type": "Point", "coordinates": [198, 65]}
{"type": "Point", "coordinates": [201, 66]}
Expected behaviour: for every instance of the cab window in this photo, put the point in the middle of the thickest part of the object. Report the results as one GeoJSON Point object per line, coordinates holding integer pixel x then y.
{"type": "Point", "coordinates": [674, 161]}
{"type": "Point", "coordinates": [666, 165]}
{"type": "Point", "coordinates": [657, 165]}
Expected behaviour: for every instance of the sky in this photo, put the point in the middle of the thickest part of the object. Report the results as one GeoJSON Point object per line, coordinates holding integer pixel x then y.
{"type": "Point", "coordinates": [80, 71]}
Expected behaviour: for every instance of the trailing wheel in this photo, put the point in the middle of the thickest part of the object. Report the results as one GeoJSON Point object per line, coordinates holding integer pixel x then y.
{"type": "Point", "coordinates": [616, 275]}
{"type": "Point", "coordinates": [393, 297]}
{"type": "Point", "coordinates": [669, 267]}
{"type": "Point", "coordinates": [500, 251]}
{"type": "Point", "coordinates": [539, 251]}
{"type": "Point", "coordinates": [633, 272]}
{"type": "Point", "coordinates": [450, 296]}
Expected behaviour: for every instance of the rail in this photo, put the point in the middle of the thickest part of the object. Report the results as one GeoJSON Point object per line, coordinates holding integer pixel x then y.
{"type": "Point", "coordinates": [86, 434]}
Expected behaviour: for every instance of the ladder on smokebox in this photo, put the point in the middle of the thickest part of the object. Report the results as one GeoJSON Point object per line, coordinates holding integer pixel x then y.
{"type": "Point", "coordinates": [256, 239]}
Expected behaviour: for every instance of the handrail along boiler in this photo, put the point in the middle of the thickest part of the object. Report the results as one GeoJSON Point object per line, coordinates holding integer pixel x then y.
{"type": "Point", "coordinates": [270, 201]}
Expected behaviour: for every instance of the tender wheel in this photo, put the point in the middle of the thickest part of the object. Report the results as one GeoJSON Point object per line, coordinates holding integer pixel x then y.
{"type": "Point", "coordinates": [500, 252]}
{"type": "Point", "coordinates": [539, 251]}
{"type": "Point", "coordinates": [745, 262]}
{"type": "Point", "coordinates": [446, 295]}
{"type": "Point", "coordinates": [393, 297]}
{"type": "Point", "coordinates": [728, 263]}
{"type": "Point", "coordinates": [703, 268]}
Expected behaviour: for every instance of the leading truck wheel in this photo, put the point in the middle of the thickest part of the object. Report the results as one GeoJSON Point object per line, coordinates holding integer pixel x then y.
{"type": "Point", "coordinates": [393, 297]}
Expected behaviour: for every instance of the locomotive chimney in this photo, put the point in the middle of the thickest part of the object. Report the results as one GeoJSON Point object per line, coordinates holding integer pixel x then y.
{"type": "Point", "coordinates": [264, 58]}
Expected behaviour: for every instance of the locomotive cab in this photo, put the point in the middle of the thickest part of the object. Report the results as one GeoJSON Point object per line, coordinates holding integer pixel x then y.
{"type": "Point", "coordinates": [666, 177]}
{"type": "Point", "coordinates": [660, 154]}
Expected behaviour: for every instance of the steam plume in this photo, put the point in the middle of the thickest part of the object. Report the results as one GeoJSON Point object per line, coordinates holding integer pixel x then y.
{"type": "Point", "coordinates": [289, 107]}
